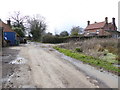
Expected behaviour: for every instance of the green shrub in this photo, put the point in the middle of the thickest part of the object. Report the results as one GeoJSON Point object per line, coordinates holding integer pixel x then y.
{"type": "Point", "coordinates": [52, 39]}
{"type": "Point", "coordinates": [78, 50]}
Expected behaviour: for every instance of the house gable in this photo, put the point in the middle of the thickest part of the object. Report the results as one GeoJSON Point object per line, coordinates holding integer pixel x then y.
{"type": "Point", "coordinates": [100, 27]}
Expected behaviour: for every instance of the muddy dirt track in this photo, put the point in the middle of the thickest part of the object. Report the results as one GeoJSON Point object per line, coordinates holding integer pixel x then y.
{"type": "Point", "coordinates": [36, 65]}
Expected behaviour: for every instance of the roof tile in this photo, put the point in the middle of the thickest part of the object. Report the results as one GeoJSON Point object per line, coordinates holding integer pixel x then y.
{"type": "Point", "coordinates": [6, 27]}
{"type": "Point", "coordinates": [95, 25]}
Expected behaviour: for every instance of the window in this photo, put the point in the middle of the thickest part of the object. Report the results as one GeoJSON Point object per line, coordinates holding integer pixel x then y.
{"type": "Point", "coordinates": [97, 31]}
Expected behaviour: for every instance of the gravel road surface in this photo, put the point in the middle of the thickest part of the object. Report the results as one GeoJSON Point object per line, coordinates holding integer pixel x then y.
{"type": "Point", "coordinates": [36, 65]}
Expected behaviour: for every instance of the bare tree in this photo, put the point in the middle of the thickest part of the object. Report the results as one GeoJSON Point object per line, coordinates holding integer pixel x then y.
{"type": "Point", "coordinates": [18, 18]}
{"type": "Point", "coordinates": [18, 23]}
{"type": "Point", "coordinates": [37, 26]}
{"type": "Point", "coordinates": [76, 30]}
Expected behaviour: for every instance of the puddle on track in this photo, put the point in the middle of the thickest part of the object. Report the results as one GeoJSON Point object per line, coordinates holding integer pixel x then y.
{"type": "Point", "coordinates": [19, 60]}
{"type": "Point", "coordinates": [117, 66]}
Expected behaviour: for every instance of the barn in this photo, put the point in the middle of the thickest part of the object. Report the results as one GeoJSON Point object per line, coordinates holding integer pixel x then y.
{"type": "Point", "coordinates": [9, 35]}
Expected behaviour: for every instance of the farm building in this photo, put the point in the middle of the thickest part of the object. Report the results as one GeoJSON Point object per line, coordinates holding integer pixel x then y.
{"type": "Point", "coordinates": [102, 28]}
{"type": "Point", "coordinates": [9, 35]}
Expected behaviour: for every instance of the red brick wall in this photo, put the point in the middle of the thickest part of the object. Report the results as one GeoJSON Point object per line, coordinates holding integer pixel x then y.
{"type": "Point", "coordinates": [101, 32]}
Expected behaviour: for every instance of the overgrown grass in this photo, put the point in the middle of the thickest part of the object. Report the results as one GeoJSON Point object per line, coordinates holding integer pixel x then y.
{"type": "Point", "coordinates": [89, 59]}
{"type": "Point", "coordinates": [97, 47]}
{"type": "Point", "coordinates": [109, 57]}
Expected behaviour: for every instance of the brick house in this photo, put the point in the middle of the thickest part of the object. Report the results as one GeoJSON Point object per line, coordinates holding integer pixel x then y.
{"type": "Point", "coordinates": [100, 28]}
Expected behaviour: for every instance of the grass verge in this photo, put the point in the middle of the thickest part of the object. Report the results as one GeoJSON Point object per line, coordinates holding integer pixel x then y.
{"type": "Point", "coordinates": [89, 59]}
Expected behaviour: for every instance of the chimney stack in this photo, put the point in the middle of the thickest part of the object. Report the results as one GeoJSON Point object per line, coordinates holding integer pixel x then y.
{"type": "Point", "coordinates": [95, 22]}
{"type": "Point", "coordinates": [88, 22]}
{"type": "Point", "coordinates": [106, 19]}
{"type": "Point", "coordinates": [113, 21]}
{"type": "Point", "coordinates": [9, 22]}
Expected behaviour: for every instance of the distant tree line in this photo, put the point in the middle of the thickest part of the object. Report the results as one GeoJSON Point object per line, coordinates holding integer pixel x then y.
{"type": "Point", "coordinates": [36, 28]}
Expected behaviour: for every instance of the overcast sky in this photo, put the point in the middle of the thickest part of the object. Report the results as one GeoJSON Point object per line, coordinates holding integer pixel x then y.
{"type": "Point", "coordinates": [63, 14]}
